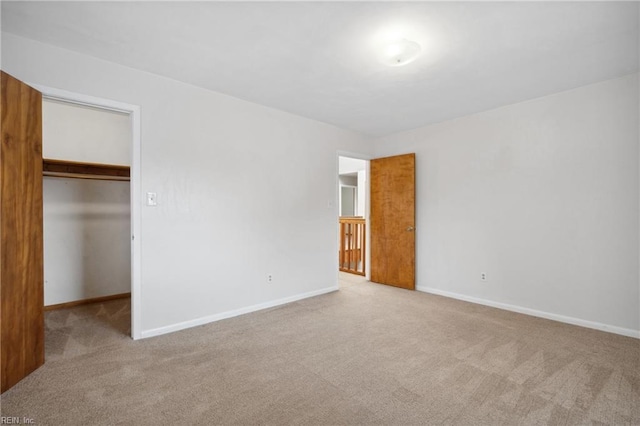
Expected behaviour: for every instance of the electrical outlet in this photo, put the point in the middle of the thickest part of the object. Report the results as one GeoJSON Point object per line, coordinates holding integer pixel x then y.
{"type": "Point", "coordinates": [269, 278]}
{"type": "Point", "coordinates": [483, 276]}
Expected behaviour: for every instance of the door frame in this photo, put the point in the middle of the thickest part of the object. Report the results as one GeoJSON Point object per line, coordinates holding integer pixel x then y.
{"type": "Point", "coordinates": [367, 158]}
{"type": "Point", "coordinates": [135, 185]}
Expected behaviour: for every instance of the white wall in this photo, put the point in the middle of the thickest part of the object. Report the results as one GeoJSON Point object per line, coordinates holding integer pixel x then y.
{"type": "Point", "coordinates": [79, 133]}
{"type": "Point", "coordinates": [347, 165]}
{"type": "Point", "coordinates": [348, 196]}
{"type": "Point", "coordinates": [348, 180]}
{"type": "Point", "coordinates": [86, 239]}
{"type": "Point", "coordinates": [217, 232]}
{"type": "Point", "coordinates": [543, 197]}
{"type": "Point", "coordinates": [87, 224]}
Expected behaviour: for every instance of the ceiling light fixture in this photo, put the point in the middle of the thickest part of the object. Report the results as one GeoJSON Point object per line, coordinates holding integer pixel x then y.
{"type": "Point", "coordinates": [400, 52]}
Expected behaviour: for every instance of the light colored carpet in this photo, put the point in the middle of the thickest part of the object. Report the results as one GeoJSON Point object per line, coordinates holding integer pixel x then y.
{"type": "Point", "coordinates": [368, 354]}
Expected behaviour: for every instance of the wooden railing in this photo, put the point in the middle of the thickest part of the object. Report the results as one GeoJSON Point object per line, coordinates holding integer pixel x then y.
{"type": "Point", "coordinates": [352, 245]}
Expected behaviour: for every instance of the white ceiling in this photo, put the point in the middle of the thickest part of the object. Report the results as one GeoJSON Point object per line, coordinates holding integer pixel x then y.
{"type": "Point", "coordinates": [318, 59]}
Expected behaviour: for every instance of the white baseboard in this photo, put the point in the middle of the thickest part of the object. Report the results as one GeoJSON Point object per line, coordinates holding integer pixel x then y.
{"type": "Point", "coordinates": [234, 313]}
{"type": "Point", "coordinates": [527, 311]}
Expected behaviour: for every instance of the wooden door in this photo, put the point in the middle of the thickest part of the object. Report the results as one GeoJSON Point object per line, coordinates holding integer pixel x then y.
{"type": "Point", "coordinates": [21, 255]}
{"type": "Point", "coordinates": [392, 219]}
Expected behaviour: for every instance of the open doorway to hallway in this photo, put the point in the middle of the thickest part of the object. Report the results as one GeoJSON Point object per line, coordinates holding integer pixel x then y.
{"type": "Point", "coordinates": [352, 216]}
{"type": "Point", "coordinates": [377, 236]}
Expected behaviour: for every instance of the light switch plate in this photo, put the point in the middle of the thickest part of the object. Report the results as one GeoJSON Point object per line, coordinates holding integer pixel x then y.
{"type": "Point", "coordinates": [152, 199]}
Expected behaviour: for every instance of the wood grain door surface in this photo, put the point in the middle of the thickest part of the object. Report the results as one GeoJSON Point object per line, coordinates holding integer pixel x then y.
{"type": "Point", "coordinates": [21, 232]}
{"type": "Point", "coordinates": [392, 219]}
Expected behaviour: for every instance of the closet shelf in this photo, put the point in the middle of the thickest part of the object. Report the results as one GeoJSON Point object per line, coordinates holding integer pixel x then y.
{"type": "Point", "coordinates": [77, 170]}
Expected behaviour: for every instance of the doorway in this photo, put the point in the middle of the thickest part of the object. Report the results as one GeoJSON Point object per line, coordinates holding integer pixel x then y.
{"type": "Point", "coordinates": [387, 242]}
{"type": "Point", "coordinates": [352, 217]}
{"type": "Point", "coordinates": [111, 200]}
{"type": "Point", "coordinates": [86, 218]}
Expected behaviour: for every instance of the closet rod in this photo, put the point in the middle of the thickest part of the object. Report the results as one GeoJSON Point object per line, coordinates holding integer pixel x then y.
{"type": "Point", "coordinates": [77, 170]}
{"type": "Point", "coordinates": [84, 176]}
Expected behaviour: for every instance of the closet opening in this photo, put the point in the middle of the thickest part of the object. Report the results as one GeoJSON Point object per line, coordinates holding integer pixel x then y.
{"type": "Point", "coordinates": [87, 216]}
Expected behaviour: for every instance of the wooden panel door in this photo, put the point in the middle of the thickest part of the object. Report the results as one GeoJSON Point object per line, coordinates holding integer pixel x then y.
{"type": "Point", "coordinates": [21, 255]}
{"type": "Point", "coordinates": [392, 219]}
